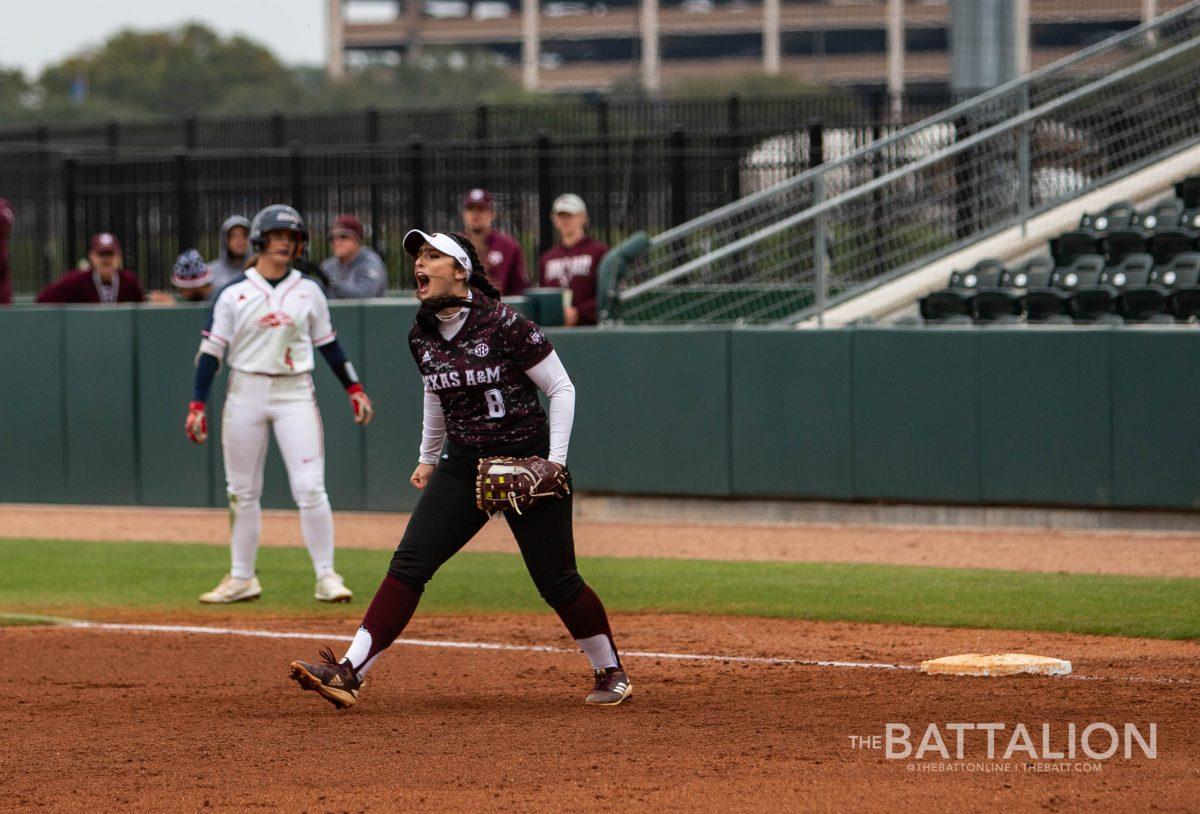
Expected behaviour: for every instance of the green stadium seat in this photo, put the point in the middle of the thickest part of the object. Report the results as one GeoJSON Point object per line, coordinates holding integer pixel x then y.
{"type": "Point", "coordinates": [1188, 190]}
{"type": "Point", "coordinates": [1052, 303]}
{"type": "Point", "coordinates": [1133, 238]}
{"type": "Point", "coordinates": [1163, 214]}
{"type": "Point", "coordinates": [1171, 234]}
{"type": "Point", "coordinates": [954, 303]}
{"type": "Point", "coordinates": [1102, 302]}
{"type": "Point", "coordinates": [1090, 236]}
{"type": "Point", "coordinates": [1004, 304]}
{"type": "Point", "coordinates": [1078, 243]}
{"type": "Point", "coordinates": [1182, 279]}
{"type": "Point", "coordinates": [1149, 301]}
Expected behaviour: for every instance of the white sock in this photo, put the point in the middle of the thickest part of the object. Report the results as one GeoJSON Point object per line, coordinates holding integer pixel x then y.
{"type": "Point", "coordinates": [247, 523]}
{"type": "Point", "coordinates": [599, 650]}
{"type": "Point", "coordinates": [316, 526]}
{"type": "Point", "coordinates": [362, 671]}
{"type": "Point", "coordinates": [359, 648]}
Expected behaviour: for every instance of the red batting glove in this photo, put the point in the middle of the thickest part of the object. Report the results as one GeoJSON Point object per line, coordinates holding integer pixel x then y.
{"type": "Point", "coordinates": [196, 425]}
{"type": "Point", "coordinates": [363, 410]}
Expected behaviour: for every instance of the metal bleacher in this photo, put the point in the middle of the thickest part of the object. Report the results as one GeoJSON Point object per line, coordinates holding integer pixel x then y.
{"type": "Point", "coordinates": [1118, 266]}
{"type": "Point", "coordinates": [789, 253]}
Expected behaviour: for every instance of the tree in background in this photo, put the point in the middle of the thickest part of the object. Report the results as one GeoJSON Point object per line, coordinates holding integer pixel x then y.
{"type": "Point", "coordinates": [167, 72]}
{"type": "Point", "coordinates": [192, 69]}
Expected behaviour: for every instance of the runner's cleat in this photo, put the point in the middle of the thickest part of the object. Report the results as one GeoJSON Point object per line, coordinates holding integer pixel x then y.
{"type": "Point", "coordinates": [232, 589]}
{"type": "Point", "coordinates": [332, 588]}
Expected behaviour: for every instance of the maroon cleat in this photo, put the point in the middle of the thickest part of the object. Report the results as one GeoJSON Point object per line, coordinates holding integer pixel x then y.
{"type": "Point", "coordinates": [336, 682]}
{"type": "Point", "coordinates": [612, 687]}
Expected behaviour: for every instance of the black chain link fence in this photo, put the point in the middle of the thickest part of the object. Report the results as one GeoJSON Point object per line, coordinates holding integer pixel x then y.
{"type": "Point", "coordinates": [570, 117]}
{"type": "Point", "coordinates": [161, 201]}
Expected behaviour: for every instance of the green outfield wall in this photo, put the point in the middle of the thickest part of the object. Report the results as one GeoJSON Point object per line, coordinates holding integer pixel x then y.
{"type": "Point", "coordinates": [92, 404]}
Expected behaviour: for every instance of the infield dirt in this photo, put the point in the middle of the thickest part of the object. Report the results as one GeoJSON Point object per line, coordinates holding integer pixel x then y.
{"type": "Point", "coordinates": [172, 721]}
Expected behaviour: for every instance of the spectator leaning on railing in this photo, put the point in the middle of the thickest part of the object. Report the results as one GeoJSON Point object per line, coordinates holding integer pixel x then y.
{"type": "Point", "coordinates": [354, 271]}
{"type": "Point", "coordinates": [103, 281]}
{"type": "Point", "coordinates": [192, 279]}
{"type": "Point", "coordinates": [6, 224]}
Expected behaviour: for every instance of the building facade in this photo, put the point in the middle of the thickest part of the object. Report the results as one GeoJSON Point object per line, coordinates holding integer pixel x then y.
{"type": "Point", "coordinates": [590, 44]}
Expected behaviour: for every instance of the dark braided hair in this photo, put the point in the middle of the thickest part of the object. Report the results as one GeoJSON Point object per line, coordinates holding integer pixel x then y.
{"type": "Point", "coordinates": [427, 313]}
{"type": "Point", "coordinates": [478, 279]}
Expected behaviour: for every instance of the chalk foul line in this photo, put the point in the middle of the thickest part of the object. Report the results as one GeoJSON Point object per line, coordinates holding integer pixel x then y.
{"type": "Point", "coordinates": [533, 648]}
{"type": "Point", "coordinates": [455, 645]}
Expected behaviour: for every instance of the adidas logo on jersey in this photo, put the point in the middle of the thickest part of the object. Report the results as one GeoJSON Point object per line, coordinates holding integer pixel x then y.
{"type": "Point", "coordinates": [276, 319]}
{"type": "Point", "coordinates": [427, 357]}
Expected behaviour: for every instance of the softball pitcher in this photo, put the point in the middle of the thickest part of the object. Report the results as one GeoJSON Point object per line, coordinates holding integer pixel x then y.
{"type": "Point", "coordinates": [268, 320]}
{"type": "Point", "coordinates": [482, 364]}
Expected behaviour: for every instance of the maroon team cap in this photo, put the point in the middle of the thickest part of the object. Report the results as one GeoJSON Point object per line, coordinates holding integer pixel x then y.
{"type": "Point", "coordinates": [104, 242]}
{"type": "Point", "coordinates": [478, 197]}
{"type": "Point", "coordinates": [348, 224]}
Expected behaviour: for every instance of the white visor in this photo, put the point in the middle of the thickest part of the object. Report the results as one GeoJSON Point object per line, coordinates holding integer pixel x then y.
{"type": "Point", "coordinates": [415, 239]}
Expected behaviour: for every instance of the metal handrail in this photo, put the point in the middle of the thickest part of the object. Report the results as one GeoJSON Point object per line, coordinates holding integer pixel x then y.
{"type": "Point", "coordinates": [883, 180]}
{"type": "Point", "coordinates": [705, 249]}
{"type": "Point", "coordinates": [944, 117]}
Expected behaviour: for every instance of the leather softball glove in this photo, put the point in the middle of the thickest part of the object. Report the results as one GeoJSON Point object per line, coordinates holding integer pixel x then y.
{"type": "Point", "coordinates": [517, 483]}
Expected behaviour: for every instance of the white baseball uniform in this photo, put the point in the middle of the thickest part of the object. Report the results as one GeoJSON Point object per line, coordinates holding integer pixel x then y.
{"type": "Point", "coordinates": [268, 333]}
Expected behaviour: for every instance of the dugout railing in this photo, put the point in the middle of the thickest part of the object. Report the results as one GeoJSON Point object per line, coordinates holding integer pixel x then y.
{"type": "Point", "coordinates": [832, 232]}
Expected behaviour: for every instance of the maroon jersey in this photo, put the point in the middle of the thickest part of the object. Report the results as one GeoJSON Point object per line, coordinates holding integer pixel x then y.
{"type": "Point", "coordinates": [80, 286]}
{"type": "Point", "coordinates": [479, 375]}
{"type": "Point", "coordinates": [6, 222]}
{"type": "Point", "coordinates": [575, 268]}
{"type": "Point", "coordinates": [505, 264]}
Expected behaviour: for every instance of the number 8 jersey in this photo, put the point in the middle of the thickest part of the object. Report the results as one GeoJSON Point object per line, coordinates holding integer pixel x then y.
{"type": "Point", "coordinates": [479, 375]}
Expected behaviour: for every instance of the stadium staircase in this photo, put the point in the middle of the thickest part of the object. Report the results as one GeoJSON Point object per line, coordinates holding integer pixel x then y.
{"type": "Point", "coordinates": [997, 177]}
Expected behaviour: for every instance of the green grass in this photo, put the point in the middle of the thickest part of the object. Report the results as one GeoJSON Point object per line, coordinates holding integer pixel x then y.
{"type": "Point", "coordinates": [15, 619]}
{"type": "Point", "coordinates": [62, 578]}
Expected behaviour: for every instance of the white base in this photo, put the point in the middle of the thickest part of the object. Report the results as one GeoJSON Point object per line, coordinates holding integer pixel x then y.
{"type": "Point", "coordinates": [996, 664]}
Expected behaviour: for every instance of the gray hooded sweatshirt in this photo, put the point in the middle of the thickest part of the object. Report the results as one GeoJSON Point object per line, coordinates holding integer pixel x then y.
{"type": "Point", "coordinates": [225, 268]}
{"type": "Point", "coordinates": [364, 276]}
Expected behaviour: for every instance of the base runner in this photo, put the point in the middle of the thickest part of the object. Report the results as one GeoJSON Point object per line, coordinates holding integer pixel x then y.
{"type": "Point", "coordinates": [268, 320]}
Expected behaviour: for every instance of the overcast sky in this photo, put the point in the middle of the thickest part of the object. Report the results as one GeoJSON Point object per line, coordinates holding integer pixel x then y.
{"type": "Point", "coordinates": [35, 33]}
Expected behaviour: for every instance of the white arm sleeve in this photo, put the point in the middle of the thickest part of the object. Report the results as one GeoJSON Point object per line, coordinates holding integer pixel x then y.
{"type": "Point", "coordinates": [433, 429]}
{"type": "Point", "coordinates": [550, 375]}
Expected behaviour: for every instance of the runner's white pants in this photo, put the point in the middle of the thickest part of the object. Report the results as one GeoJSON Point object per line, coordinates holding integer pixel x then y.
{"type": "Point", "coordinates": [255, 404]}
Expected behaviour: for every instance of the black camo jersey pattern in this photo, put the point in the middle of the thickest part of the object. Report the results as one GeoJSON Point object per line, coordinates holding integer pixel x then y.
{"type": "Point", "coordinates": [479, 375]}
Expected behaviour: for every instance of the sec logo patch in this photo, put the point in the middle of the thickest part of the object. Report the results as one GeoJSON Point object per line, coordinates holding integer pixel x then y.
{"type": "Point", "coordinates": [482, 349]}
{"type": "Point", "coordinates": [495, 257]}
